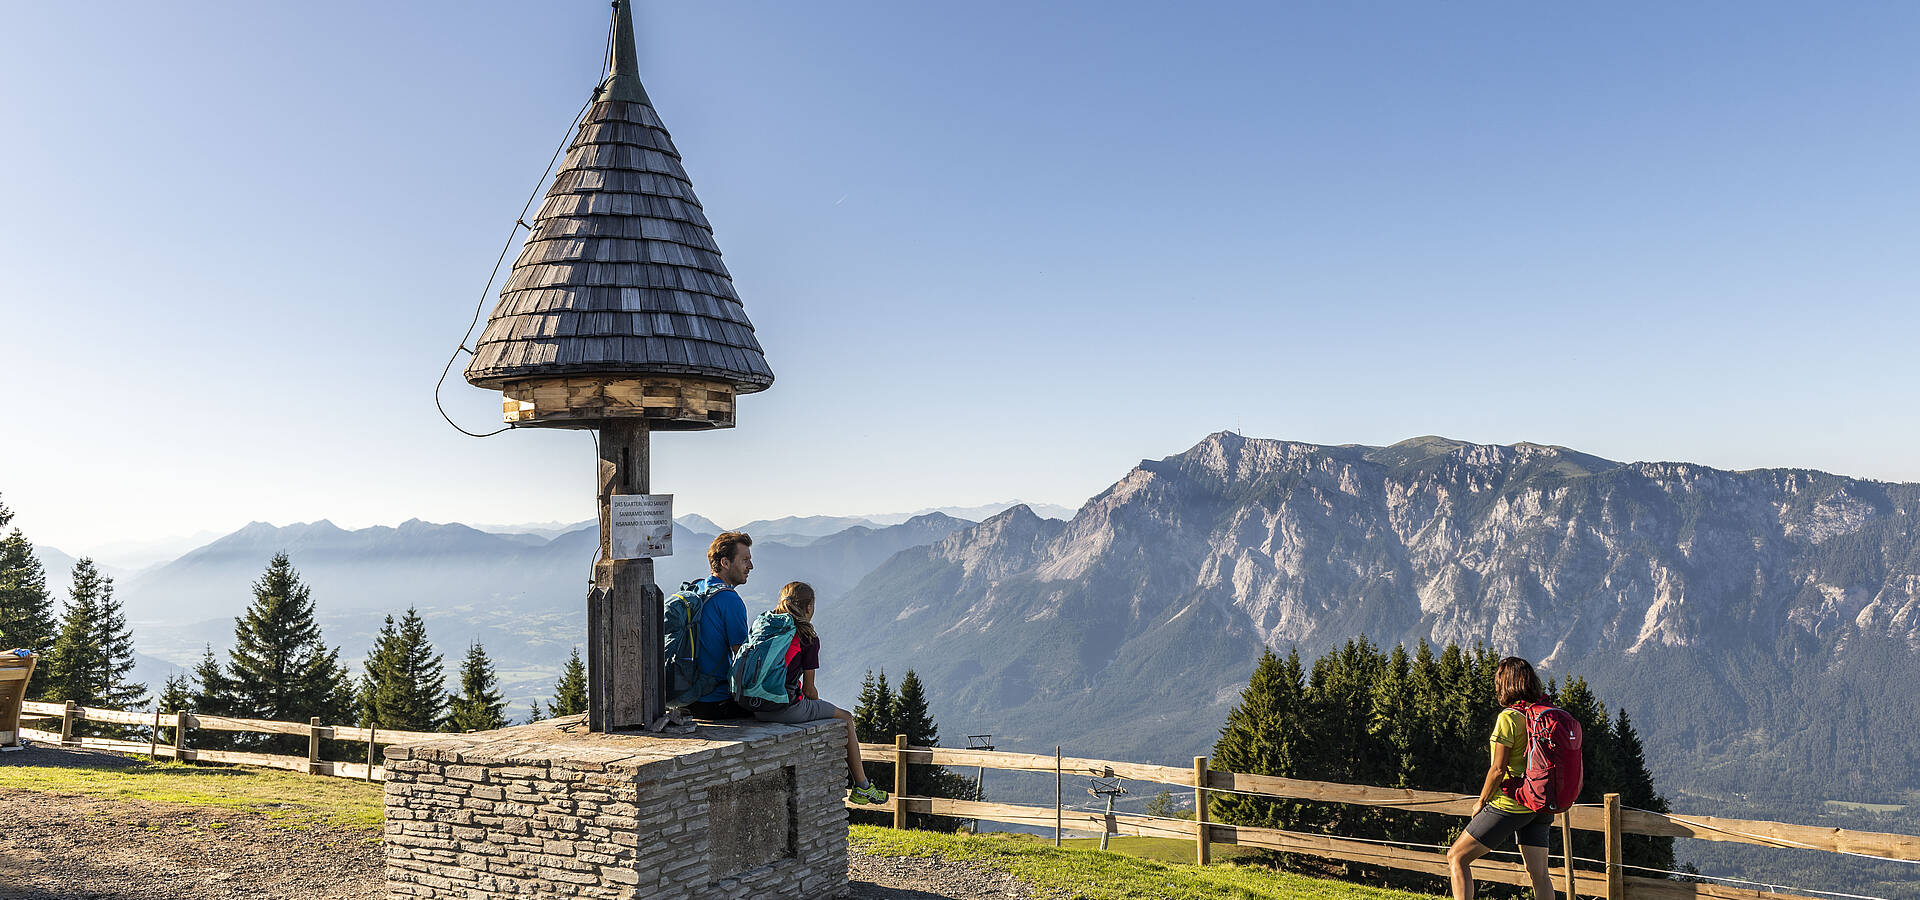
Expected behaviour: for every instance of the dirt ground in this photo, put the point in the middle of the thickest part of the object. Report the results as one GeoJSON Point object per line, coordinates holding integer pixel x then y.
{"type": "Point", "coordinates": [91, 848]}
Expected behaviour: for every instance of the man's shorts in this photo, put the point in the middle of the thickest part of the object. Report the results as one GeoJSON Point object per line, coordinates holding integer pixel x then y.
{"type": "Point", "coordinates": [801, 710]}
{"type": "Point", "coordinates": [1491, 827]}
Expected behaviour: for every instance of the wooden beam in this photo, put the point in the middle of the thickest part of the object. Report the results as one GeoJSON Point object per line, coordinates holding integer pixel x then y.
{"type": "Point", "coordinates": [1201, 848]}
{"type": "Point", "coordinates": [899, 781]}
{"type": "Point", "coordinates": [624, 643]}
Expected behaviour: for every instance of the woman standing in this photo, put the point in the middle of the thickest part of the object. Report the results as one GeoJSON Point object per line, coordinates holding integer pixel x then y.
{"type": "Point", "coordinates": [1514, 683]}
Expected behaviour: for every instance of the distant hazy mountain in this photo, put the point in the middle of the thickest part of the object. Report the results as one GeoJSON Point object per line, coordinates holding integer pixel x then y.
{"type": "Point", "coordinates": [979, 513]}
{"type": "Point", "coordinates": [1752, 622]}
{"type": "Point", "coordinates": [697, 522]}
{"type": "Point", "coordinates": [525, 602]}
{"type": "Point", "coordinates": [59, 568]}
{"type": "Point", "coordinates": [802, 529]}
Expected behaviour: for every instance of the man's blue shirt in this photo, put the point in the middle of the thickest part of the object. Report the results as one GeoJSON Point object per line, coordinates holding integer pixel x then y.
{"type": "Point", "coordinates": [723, 626]}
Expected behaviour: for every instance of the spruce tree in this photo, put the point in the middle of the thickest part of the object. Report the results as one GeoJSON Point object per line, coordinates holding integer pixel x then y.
{"type": "Point", "coordinates": [212, 694]}
{"type": "Point", "coordinates": [26, 607]}
{"type": "Point", "coordinates": [1265, 734]}
{"type": "Point", "coordinates": [404, 688]}
{"type": "Point", "coordinates": [93, 654]}
{"type": "Point", "coordinates": [1637, 791]}
{"type": "Point", "coordinates": [176, 694]}
{"type": "Point", "coordinates": [913, 719]}
{"type": "Point", "coordinates": [479, 706]}
{"type": "Point", "coordinates": [873, 718]}
{"type": "Point", "coordinates": [280, 667]}
{"type": "Point", "coordinates": [873, 723]}
{"type": "Point", "coordinates": [570, 690]}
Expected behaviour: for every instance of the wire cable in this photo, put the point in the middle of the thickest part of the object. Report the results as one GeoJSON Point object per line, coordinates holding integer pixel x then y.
{"type": "Point", "coordinates": [519, 222]}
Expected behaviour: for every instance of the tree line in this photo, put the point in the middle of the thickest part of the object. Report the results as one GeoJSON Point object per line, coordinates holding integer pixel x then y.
{"type": "Point", "coordinates": [1420, 720]}
{"type": "Point", "coordinates": [280, 668]}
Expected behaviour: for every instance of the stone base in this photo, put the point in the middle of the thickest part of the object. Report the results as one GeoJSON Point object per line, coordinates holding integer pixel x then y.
{"type": "Point", "coordinates": [737, 810]}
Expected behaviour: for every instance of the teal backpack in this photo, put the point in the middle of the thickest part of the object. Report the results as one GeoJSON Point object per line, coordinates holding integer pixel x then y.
{"type": "Point", "coordinates": [680, 622]}
{"type": "Point", "coordinates": [759, 678]}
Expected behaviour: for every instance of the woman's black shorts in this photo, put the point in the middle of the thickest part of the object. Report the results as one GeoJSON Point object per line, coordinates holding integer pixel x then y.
{"type": "Point", "coordinates": [1491, 827]}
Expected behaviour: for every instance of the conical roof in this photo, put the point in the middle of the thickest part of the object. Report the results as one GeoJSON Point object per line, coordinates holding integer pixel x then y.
{"type": "Point", "coordinates": [620, 275]}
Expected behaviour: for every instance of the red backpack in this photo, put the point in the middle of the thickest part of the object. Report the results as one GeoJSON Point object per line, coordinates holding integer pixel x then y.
{"type": "Point", "coordinates": [1554, 767]}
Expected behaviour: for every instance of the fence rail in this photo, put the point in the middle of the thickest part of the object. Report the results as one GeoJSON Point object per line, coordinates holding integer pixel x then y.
{"type": "Point", "coordinates": [1608, 819]}
{"type": "Point", "coordinates": [182, 723]}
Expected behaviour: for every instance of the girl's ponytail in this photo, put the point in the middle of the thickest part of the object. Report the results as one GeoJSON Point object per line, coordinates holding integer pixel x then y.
{"type": "Point", "coordinates": [796, 600]}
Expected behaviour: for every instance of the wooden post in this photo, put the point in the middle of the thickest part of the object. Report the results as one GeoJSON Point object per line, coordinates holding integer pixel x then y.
{"type": "Point", "coordinates": [899, 780]}
{"type": "Point", "coordinates": [1202, 852]}
{"type": "Point", "coordinates": [1566, 844]}
{"type": "Point", "coordinates": [66, 722]}
{"type": "Point", "coordinates": [373, 731]}
{"type": "Point", "coordinates": [624, 643]}
{"type": "Point", "coordinates": [180, 735]}
{"type": "Point", "coordinates": [313, 746]}
{"type": "Point", "coordinates": [1059, 784]}
{"type": "Point", "coordinates": [1616, 880]}
{"type": "Point", "coordinates": [153, 736]}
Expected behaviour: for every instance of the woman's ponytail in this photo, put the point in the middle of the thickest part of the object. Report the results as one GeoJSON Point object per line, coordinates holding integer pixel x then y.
{"type": "Point", "coordinates": [796, 600]}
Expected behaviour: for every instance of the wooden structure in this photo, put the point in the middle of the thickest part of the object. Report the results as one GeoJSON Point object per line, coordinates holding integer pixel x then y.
{"type": "Point", "coordinates": [619, 316]}
{"type": "Point", "coordinates": [14, 673]}
{"type": "Point", "coordinates": [1608, 818]}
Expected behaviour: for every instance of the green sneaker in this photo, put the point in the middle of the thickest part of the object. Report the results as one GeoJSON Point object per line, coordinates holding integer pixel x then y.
{"type": "Point", "coordinates": [868, 794]}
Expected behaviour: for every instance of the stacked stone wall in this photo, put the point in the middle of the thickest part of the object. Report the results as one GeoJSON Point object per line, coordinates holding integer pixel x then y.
{"type": "Point", "coordinates": [739, 811]}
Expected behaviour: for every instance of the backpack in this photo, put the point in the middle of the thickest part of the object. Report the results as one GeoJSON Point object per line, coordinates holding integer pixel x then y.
{"type": "Point", "coordinates": [759, 676]}
{"type": "Point", "coordinates": [680, 623]}
{"type": "Point", "coordinates": [1554, 765]}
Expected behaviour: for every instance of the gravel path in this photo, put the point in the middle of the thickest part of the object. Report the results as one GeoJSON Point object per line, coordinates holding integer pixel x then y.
{"type": "Point", "coordinates": [65, 847]}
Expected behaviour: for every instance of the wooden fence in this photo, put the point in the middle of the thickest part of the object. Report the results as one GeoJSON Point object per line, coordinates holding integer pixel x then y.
{"type": "Point", "coordinates": [1608, 818]}
{"type": "Point", "coordinates": [176, 745]}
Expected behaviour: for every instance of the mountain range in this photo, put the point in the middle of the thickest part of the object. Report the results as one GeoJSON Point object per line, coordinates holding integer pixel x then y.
{"type": "Point", "coordinates": [519, 592]}
{"type": "Point", "coordinates": [1762, 627]}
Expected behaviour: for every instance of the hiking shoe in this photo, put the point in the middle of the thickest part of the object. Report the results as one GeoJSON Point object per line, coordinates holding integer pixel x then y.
{"type": "Point", "coordinates": [868, 794]}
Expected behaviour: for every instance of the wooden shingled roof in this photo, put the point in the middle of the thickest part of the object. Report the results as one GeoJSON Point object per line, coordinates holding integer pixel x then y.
{"type": "Point", "coordinates": [620, 275]}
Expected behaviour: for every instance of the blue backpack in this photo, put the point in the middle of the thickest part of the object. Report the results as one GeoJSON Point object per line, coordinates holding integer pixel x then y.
{"type": "Point", "coordinates": [759, 677]}
{"type": "Point", "coordinates": [680, 622]}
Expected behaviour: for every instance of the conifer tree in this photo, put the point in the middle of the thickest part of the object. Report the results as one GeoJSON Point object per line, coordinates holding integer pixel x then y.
{"type": "Point", "coordinates": [873, 718]}
{"type": "Point", "coordinates": [176, 693]}
{"type": "Point", "coordinates": [93, 655]}
{"type": "Point", "coordinates": [404, 688]}
{"type": "Point", "coordinates": [212, 694]}
{"type": "Point", "coordinates": [479, 706]}
{"type": "Point", "coordinates": [873, 723]}
{"type": "Point", "coordinates": [26, 607]}
{"type": "Point", "coordinates": [570, 690]}
{"type": "Point", "coordinates": [1265, 734]}
{"type": "Point", "coordinates": [1637, 791]}
{"type": "Point", "coordinates": [280, 668]}
{"type": "Point", "coordinates": [913, 718]}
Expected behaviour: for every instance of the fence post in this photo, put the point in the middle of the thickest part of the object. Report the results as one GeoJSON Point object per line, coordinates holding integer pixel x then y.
{"type": "Point", "coordinates": [313, 746]}
{"type": "Point", "coordinates": [180, 735]}
{"type": "Point", "coordinates": [1566, 844]}
{"type": "Point", "coordinates": [1201, 851]}
{"type": "Point", "coordinates": [153, 736]}
{"type": "Point", "coordinates": [1059, 784]}
{"type": "Point", "coordinates": [373, 731]}
{"type": "Point", "coordinates": [899, 780]}
{"type": "Point", "coordinates": [1616, 884]}
{"type": "Point", "coordinates": [66, 722]}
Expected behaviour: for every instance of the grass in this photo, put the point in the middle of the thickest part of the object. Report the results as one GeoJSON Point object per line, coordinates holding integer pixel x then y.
{"type": "Point", "coordinates": [1166, 850]}
{"type": "Point", "coordinates": [285, 798]}
{"type": "Point", "coordinates": [1110, 876]}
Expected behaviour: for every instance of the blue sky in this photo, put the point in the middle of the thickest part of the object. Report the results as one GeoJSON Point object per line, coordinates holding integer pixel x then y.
{"type": "Point", "coordinates": [992, 250]}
